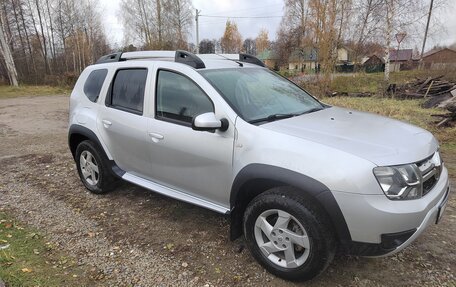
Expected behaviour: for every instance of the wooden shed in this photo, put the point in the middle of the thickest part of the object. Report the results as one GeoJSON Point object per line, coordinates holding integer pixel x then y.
{"type": "Point", "coordinates": [374, 64]}
{"type": "Point", "coordinates": [440, 59]}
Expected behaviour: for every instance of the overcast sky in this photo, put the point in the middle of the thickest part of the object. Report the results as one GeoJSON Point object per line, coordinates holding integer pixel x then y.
{"type": "Point", "coordinates": [212, 27]}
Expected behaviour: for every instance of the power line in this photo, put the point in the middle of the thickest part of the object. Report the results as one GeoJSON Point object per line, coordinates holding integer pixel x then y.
{"type": "Point", "coordinates": [247, 9]}
{"type": "Point", "coordinates": [241, 17]}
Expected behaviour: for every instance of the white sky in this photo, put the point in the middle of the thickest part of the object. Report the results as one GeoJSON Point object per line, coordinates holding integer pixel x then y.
{"type": "Point", "coordinates": [212, 28]}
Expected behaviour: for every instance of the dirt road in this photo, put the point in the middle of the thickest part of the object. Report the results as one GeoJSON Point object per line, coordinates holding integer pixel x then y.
{"type": "Point", "coordinates": [135, 237]}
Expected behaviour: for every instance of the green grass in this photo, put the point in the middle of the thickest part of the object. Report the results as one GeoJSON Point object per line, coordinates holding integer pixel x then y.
{"type": "Point", "coordinates": [27, 91]}
{"type": "Point", "coordinates": [30, 261]}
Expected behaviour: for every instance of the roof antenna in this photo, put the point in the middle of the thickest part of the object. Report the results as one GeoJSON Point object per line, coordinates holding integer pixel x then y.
{"type": "Point", "coordinates": [239, 63]}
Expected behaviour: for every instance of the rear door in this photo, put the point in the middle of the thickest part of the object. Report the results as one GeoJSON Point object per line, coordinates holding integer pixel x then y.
{"type": "Point", "coordinates": [120, 121]}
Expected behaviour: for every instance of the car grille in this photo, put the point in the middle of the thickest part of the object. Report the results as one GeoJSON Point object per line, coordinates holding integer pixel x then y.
{"type": "Point", "coordinates": [430, 169]}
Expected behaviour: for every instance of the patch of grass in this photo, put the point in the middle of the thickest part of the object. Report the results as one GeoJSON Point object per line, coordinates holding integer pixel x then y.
{"type": "Point", "coordinates": [25, 90]}
{"type": "Point", "coordinates": [27, 260]}
{"type": "Point", "coordinates": [357, 83]}
{"type": "Point", "coordinates": [373, 82]}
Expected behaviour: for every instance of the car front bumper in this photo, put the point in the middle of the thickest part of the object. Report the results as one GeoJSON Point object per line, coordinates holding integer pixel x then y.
{"type": "Point", "coordinates": [379, 226]}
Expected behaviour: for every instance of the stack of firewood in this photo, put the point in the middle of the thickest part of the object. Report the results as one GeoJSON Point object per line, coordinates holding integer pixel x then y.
{"type": "Point", "coordinates": [430, 87]}
{"type": "Point", "coordinates": [437, 92]}
{"type": "Point", "coordinates": [449, 117]}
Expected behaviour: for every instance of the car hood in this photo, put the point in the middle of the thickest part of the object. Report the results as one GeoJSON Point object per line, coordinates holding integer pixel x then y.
{"type": "Point", "coordinates": [381, 140]}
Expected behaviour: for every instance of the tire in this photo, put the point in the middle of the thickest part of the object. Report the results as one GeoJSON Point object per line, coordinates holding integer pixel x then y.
{"type": "Point", "coordinates": [289, 216]}
{"type": "Point", "coordinates": [93, 168]}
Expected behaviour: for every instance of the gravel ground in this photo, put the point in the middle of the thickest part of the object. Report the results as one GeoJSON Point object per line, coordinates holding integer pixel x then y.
{"type": "Point", "coordinates": [134, 237]}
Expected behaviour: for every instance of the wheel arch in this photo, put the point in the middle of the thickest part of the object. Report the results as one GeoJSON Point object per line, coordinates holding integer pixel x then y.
{"type": "Point", "coordinates": [255, 179]}
{"type": "Point", "coordinates": [78, 134]}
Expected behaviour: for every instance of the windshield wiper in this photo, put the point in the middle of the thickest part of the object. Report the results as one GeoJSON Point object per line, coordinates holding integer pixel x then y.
{"type": "Point", "coordinates": [275, 117]}
{"type": "Point", "coordinates": [312, 110]}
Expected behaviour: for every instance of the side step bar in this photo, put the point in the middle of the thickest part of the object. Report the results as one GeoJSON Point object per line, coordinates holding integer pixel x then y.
{"type": "Point", "coordinates": [170, 192]}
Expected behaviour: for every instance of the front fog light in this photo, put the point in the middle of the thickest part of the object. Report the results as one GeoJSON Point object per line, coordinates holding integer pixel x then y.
{"type": "Point", "coordinates": [399, 182]}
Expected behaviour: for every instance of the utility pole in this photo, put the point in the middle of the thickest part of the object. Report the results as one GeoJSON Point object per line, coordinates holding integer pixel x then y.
{"type": "Point", "coordinates": [426, 31]}
{"type": "Point", "coordinates": [197, 31]}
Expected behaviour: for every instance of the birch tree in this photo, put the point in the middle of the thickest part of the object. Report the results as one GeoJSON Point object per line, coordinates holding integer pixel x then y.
{"type": "Point", "coordinates": [6, 53]}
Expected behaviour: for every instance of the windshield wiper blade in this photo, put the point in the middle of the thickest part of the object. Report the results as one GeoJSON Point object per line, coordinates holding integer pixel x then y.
{"type": "Point", "coordinates": [311, 111]}
{"type": "Point", "coordinates": [273, 117]}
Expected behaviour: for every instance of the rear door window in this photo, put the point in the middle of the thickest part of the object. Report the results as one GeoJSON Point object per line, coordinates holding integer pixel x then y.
{"type": "Point", "coordinates": [127, 90]}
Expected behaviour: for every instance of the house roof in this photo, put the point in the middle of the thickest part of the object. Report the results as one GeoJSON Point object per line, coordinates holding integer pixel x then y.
{"type": "Point", "coordinates": [305, 54]}
{"type": "Point", "coordinates": [433, 51]}
{"type": "Point", "coordinates": [373, 57]}
{"type": "Point", "coordinates": [401, 55]}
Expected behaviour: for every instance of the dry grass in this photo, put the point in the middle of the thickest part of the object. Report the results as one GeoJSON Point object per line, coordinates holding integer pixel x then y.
{"type": "Point", "coordinates": [29, 91]}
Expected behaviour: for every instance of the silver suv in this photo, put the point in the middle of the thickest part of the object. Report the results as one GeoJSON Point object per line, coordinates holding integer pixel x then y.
{"type": "Point", "coordinates": [297, 177]}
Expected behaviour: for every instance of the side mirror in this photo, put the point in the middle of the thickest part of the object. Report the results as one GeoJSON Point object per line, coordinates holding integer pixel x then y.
{"type": "Point", "coordinates": [208, 122]}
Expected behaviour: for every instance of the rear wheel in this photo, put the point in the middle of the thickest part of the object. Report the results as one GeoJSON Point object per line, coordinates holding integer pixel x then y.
{"type": "Point", "coordinates": [288, 235]}
{"type": "Point", "coordinates": [93, 168]}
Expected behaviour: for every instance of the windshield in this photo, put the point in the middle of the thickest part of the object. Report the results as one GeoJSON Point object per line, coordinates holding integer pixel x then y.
{"type": "Point", "coordinates": [260, 95]}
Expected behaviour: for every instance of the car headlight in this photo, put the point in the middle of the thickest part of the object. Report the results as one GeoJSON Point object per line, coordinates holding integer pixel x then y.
{"type": "Point", "coordinates": [400, 182]}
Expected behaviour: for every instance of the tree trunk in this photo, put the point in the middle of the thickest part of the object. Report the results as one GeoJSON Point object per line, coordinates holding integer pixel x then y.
{"type": "Point", "coordinates": [6, 26]}
{"type": "Point", "coordinates": [62, 34]}
{"type": "Point", "coordinates": [29, 46]}
{"type": "Point", "coordinates": [46, 63]}
{"type": "Point", "coordinates": [389, 32]}
{"type": "Point", "coordinates": [159, 24]}
{"type": "Point", "coordinates": [21, 39]}
{"type": "Point", "coordinates": [52, 30]}
{"type": "Point", "coordinates": [9, 61]}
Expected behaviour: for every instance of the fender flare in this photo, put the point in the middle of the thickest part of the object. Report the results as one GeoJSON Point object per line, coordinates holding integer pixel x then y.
{"type": "Point", "coordinates": [78, 130]}
{"type": "Point", "coordinates": [268, 176]}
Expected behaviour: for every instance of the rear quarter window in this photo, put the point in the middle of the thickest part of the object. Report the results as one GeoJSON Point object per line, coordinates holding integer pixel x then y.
{"type": "Point", "coordinates": [94, 83]}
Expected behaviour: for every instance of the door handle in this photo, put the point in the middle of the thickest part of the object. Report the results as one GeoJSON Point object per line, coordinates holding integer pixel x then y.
{"type": "Point", "coordinates": [106, 123]}
{"type": "Point", "coordinates": [156, 137]}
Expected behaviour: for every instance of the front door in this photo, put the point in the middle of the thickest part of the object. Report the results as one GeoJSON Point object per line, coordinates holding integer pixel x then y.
{"type": "Point", "coordinates": [195, 162]}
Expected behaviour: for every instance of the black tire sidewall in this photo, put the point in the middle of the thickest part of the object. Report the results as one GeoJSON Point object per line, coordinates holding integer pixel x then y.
{"type": "Point", "coordinates": [102, 185]}
{"type": "Point", "coordinates": [322, 247]}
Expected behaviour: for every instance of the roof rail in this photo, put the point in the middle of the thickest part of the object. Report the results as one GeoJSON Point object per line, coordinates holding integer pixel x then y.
{"type": "Point", "coordinates": [241, 57]}
{"type": "Point", "coordinates": [115, 57]}
{"type": "Point", "coordinates": [179, 56]}
{"type": "Point", "coordinates": [190, 59]}
{"type": "Point", "coordinates": [138, 55]}
{"type": "Point", "coordinates": [250, 59]}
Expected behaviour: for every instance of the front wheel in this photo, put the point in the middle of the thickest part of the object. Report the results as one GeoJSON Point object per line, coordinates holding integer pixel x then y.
{"type": "Point", "coordinates": [288, 235]}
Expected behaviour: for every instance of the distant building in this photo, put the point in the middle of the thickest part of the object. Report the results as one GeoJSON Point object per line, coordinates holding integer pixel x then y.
{"type": "Point", "coordinates": [269, 58]}
{"type": "Point", "coordinates": [440, 59]}
{"type": "Point", "coordinates": [343, 55]}
{"type": "Point", "coordinates": [401, 59]}
{"type": "Point", "coordinates": [344, 63]}
{"type": "Point", "coordinates": [303, 59]}
{"type": "Point", "coordinates": [374, 64]}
